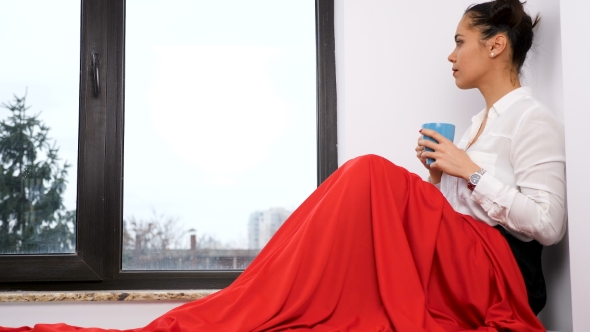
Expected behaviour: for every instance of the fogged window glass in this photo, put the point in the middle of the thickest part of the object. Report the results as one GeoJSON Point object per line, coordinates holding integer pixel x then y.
{"type": "Point", "coordinates": [39, 79]}
{"type": "Point", "coordinates": [220, 128]}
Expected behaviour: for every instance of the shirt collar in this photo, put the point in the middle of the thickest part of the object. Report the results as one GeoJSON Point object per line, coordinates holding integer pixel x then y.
{"type": "Point", "coordinates": [503, 104]}
{"type": "Point", "coordinates": [498, 108]}
{"type": "Point", "coordinates": [510, 98]}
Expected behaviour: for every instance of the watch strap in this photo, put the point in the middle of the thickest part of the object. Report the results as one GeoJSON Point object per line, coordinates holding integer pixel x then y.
{"type": "Point", "coordinates": [472, 185]}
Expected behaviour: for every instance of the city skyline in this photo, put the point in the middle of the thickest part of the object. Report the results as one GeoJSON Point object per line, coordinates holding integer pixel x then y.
{"type": "Point", "coordinates": [262, 225]}
{"type": "Point", "coordinates": [259, 227]}
{"type": "Point", "coordinates": [166, 246]}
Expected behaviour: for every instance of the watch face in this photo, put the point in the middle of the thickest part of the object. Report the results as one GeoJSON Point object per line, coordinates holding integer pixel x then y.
{"type": "Point", "coordinates": [474, 178]}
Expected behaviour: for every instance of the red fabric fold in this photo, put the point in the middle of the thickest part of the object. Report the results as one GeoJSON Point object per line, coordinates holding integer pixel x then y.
{"type": "Point", "coordinates": [374, 248]}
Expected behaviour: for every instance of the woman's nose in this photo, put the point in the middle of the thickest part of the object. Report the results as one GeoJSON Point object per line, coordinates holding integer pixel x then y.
{"type": "Point", "coordinates": [451, 58]}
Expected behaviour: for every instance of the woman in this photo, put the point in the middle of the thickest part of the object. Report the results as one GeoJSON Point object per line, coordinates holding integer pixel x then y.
{"type": "Point", "coordinates": [375, 248]}
{"type": "Point", "coordinates": [514, 138]}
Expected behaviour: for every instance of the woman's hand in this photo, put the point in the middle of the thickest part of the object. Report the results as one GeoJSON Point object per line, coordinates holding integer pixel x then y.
{"type": "Point", "coordinates": [448, 157]}
{"type": "Point", "coordinates": [435, 174]}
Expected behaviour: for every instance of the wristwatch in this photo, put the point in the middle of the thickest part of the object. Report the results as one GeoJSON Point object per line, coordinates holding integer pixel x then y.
{"type": "Point", "coordinates": [474, 178]}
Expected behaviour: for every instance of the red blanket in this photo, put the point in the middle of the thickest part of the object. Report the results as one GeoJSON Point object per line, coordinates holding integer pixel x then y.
{"type": "Point", "coordinates": [374, 248]}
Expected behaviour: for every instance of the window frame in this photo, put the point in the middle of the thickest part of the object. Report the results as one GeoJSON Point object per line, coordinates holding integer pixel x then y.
{"type": "Point", "coordinates": [96, 265]}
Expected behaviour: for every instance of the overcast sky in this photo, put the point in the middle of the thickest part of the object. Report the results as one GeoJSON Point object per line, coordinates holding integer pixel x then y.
{"type": "Point", "coordinates": [220, 102]}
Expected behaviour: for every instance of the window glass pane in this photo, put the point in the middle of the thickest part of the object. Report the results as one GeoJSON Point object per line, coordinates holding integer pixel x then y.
{"type": "Point", "coordinates": [39, 84]}
{"type": "Point", "coordinates": [220, 128]}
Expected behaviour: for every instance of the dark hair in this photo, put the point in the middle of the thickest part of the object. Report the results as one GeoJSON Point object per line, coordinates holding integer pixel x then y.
{"type": "Point", "coordinates": [508, 17]}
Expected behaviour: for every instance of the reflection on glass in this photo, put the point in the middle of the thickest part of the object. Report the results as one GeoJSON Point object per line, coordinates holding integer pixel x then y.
{"type": "Point", "coordinates": [220, 142]}
{"type": "Point", "coordinates": [40, 68]}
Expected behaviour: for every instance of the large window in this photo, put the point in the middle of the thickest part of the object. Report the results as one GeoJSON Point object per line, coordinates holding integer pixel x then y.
{"type": "Point", "coordinates": [196, 139]}
{"type": "Point", "coordinates": [219, 132]}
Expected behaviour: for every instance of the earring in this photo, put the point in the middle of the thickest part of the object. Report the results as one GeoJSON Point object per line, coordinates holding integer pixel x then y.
{"type": "Point", "coordinates": [492, 54]}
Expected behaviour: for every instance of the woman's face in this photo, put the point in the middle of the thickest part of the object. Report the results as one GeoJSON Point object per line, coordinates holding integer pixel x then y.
{"type": "Point", "coordinates": [470, 58]}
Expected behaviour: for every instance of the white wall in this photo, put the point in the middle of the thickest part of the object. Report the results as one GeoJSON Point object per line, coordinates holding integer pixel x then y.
{"type": "Point", "coordinates": [576, 71]}
{"type": "Point", "coordinates": [393, 75]}
{"type": "Point", "coordinates": [114, 315]}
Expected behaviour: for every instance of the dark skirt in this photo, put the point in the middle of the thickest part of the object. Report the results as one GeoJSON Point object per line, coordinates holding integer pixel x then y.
{"type": "Point", "coordinates": [528, 257]}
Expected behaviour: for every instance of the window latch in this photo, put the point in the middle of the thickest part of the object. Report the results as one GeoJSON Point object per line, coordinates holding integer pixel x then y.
{"type": "Point", "coordinates": [95, 65]}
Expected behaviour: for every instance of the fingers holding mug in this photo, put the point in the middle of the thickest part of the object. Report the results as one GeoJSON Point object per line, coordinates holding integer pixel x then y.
{"type": "Point", "coordinates": [433, 131]}
{"type": "Point", "coordinates": [420, 153]}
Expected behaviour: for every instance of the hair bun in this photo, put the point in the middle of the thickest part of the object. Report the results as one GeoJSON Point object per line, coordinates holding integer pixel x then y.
{"type": "Point", "coordinates": [508, 17]}
{"type": "Point", "coordinates": [507, 12]}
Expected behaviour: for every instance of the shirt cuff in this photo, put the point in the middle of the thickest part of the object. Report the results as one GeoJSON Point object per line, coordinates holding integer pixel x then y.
{"type": "Point", "coordinates": [437, 185]}
{"type": "Point", "coordinates": [486, 191]}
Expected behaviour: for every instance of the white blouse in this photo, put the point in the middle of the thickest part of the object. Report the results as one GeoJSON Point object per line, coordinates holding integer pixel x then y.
{"type": "Point", "coordinates": [522, 148]}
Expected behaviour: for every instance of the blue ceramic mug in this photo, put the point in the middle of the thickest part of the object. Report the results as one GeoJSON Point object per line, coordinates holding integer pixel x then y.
{"type": "Point", "coordinates": [445, 129]}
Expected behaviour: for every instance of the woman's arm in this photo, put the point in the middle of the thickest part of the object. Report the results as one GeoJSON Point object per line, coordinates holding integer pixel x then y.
{"type": "Point", "coordinates": [538, 207]}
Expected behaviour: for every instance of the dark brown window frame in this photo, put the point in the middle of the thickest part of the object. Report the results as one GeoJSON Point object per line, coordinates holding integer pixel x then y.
{"type": "Point", "coordinates": [96, 265]}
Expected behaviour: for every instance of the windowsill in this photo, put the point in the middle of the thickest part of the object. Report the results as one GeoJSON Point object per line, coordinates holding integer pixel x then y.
{"type": "Point", "coordinates": [185, 295]}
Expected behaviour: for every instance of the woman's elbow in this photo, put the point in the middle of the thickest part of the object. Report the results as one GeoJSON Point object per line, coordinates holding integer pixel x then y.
{"type": "Point", "coordinates": [550, 233]}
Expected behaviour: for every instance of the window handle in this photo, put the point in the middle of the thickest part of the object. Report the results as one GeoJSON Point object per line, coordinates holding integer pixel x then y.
{"type": "Point", "coordinates": [95, 65]}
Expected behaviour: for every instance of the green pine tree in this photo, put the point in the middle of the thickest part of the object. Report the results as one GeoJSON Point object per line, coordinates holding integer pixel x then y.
{"type": "Point", "coordinates": [33, 218]}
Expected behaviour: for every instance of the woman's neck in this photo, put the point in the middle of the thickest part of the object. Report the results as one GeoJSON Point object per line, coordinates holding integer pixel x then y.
{"type": "Point", "coordinates": [496, 89]}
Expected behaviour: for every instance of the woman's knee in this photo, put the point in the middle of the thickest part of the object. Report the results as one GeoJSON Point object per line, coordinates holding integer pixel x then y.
{"type": "Point", "coordinates": [372, 163]}
{"type": "Point", "coordinates": [367, 159]}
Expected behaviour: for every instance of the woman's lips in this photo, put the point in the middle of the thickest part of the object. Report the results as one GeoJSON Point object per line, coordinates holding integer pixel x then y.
{"type": "Point", "coordinates": [454, 71]}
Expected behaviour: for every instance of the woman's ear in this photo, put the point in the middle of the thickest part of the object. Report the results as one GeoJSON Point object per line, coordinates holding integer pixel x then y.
{"type": "Point", "coordinates": [497, 45]}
